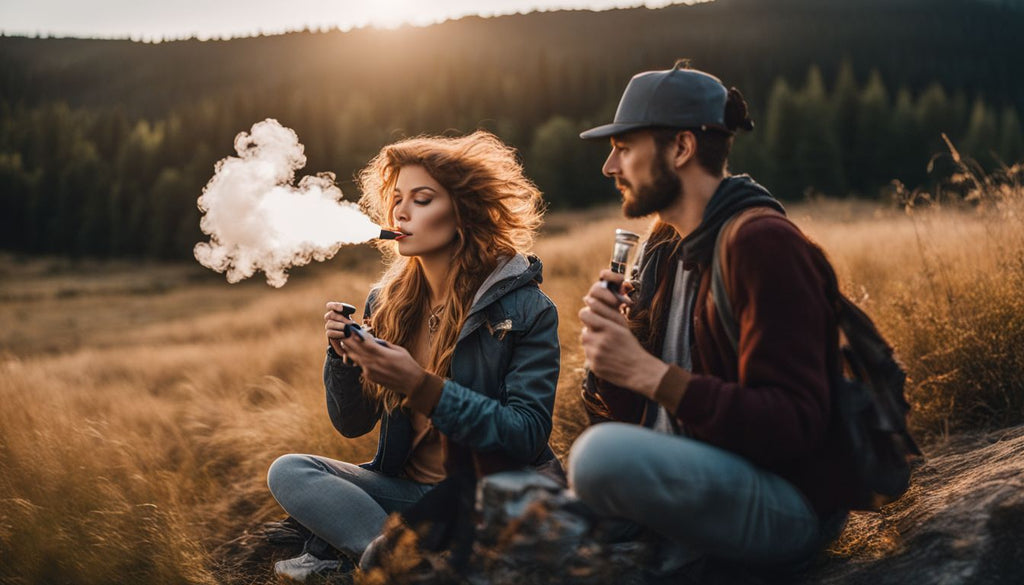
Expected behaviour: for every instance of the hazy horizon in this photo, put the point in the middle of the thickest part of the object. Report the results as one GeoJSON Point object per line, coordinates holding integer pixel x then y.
{"type": "Point", "coordinates": [203, 20]}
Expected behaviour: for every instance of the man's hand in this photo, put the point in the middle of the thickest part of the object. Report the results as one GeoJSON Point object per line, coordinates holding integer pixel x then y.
{"type": "Point", "coordinates": [611, 349]}
{"type": "Point", "coordinates": [390, 366]}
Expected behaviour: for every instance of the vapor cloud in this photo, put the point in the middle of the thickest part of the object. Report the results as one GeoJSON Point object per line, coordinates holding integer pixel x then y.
{"type": "Point", "coordinates": [258, 219]}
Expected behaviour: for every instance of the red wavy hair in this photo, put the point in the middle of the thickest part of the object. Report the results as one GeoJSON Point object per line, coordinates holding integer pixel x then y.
{"type": "Point", "coordinates": [497, 213]}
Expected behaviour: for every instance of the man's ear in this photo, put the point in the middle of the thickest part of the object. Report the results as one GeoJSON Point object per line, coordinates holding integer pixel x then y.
{"type": "Point", "coordinates": [684, 148]}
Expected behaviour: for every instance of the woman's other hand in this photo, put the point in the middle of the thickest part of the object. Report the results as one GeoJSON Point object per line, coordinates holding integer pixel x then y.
{"type": "Point", "coordinates": [389, 365]}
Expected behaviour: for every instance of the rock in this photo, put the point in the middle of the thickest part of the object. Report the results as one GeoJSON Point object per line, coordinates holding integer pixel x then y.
{"type": "Point", "coordinates": [960, 523]}
{"type": "Point", "coordinates": [532, 531]}
{"type": "Point", "coordinates": [529, 531]}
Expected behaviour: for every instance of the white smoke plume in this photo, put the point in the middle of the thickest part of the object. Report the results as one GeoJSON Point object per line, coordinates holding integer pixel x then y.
{"type": "Point", "coordinates": [257, 219]}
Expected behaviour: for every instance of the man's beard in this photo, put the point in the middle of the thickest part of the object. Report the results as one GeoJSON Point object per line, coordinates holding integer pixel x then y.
{"type": "Point", "coordinates": [660, 193]}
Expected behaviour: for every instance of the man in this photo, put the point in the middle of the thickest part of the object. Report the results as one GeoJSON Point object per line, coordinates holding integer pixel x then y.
{"type": "Point", "coordinates": [729, 452]}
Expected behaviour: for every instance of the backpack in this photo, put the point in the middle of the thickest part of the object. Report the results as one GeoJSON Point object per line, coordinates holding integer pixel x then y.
{"type": "Point", "coordinates": [869, 409]}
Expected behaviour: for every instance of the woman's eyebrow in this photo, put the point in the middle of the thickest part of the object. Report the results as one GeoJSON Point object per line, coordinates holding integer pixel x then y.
{"type": "Point", "coordinates": [416, 190]}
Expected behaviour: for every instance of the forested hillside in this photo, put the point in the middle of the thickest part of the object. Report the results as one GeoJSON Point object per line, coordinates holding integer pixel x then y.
{"type": "Point", "coordinates": [105, 144]}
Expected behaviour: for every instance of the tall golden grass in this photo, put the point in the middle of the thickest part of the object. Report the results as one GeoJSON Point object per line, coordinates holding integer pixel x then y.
{"type": "Point", "coordinates": [138, 419]}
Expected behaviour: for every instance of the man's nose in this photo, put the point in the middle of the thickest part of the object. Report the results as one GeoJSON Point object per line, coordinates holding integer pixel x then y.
{"type": "Point", "coordinates": [611, 165]}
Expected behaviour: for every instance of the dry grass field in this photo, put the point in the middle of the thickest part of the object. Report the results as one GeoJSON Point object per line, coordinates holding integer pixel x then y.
{"type": "Point", "coordinates": [142, 405]}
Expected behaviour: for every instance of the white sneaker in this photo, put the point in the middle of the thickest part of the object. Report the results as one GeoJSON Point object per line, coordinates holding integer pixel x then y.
{"type": "Point", "coordinates": [302, 566]}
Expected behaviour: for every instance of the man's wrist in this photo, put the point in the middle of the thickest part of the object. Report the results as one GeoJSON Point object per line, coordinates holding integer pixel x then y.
{"type": "Point", "coordinates": [648, 375]}
{"type": "Point", "coordinates": [672, 387]}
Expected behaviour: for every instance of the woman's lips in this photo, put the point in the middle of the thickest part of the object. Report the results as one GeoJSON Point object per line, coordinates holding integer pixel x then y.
{"type": "Point", "coordinates": [393, 233]}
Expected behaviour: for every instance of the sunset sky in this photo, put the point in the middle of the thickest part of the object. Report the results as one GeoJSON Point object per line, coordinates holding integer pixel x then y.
{"type": "Point", "coordinates": [144, 20]}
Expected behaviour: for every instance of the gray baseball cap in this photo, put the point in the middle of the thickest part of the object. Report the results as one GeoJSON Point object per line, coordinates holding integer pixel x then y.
{"type": "Point", "coordinates": [674, 98]}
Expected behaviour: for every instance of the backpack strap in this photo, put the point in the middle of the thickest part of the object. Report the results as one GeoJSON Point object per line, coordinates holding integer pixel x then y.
{"type": "Point", "coordinates": [719, 259]}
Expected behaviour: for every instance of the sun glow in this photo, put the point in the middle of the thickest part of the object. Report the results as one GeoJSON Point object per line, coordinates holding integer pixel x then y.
{"type": "Point", "coordinates": [391, 14]}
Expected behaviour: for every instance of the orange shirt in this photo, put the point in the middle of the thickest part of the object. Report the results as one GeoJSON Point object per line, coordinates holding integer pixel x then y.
{"type": "Point", "coordinates": [426, 459]}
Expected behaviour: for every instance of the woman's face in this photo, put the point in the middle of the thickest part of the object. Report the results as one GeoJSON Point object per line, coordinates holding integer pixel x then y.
{"type": "Point", "coordinates": [424, 211]}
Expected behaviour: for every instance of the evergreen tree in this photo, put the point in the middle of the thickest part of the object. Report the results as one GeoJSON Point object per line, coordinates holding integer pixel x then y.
{"type": "Point", "coordinates": [818, 160]}
{"type": "Point", "coordinates": [871, 147]}
{"type": "Point", "coordinates": [935, 117]}
{"type": "Point", "coordinates": [1011, 137]}
{"type": "Point", "coordinates": [982, 133]}
{"type": "Point", "coordinates": [18, 187]}
{"type": "Point", "coordinates": [167, 203]}
{"type": "Point", "coordinates": [844, 110]}
{"type": "Point", "coordinates": [567, 171]}
{"type": "Point", "coordinates": [781, 139]}
{"type": "Point", "coordinates": [907, 141]}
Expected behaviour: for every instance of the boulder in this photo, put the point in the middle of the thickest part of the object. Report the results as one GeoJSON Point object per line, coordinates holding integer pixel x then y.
{"type": "Point", "coordinates": [960, 523]}
{"type": "Point", "coordinates": [529, 531]}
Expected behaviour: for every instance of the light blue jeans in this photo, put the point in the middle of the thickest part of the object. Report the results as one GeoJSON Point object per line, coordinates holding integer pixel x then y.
{"type": "Point", "coordinates": [707, 501]}
{"type": "Point", "coordinates": [339, 502]}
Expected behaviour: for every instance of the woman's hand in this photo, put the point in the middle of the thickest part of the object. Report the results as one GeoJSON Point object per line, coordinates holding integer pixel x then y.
{"type": "Point", "coordinates": [334, 324]}
{"type": "Point", "coordinates": [611, 349]}
{"type": "Point", "coordinates": [390, 366]}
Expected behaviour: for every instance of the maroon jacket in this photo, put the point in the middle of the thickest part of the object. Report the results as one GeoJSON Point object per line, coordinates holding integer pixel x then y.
{"type": "Point", "coordinates": [770, 404]}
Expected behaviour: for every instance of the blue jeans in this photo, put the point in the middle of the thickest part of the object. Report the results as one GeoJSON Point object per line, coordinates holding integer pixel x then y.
{"type": "Point", "coordinates": [706, 501]}
{"type": "Point", "coordinates": [339, 502]}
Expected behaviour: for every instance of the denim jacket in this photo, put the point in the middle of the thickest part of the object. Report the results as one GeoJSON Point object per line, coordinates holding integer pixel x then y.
{"type": "Point", "coordinates": [501, 392]}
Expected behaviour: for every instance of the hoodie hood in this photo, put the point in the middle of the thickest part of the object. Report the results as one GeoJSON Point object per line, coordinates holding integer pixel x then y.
{"type": "Point", "coordinates": [511, 273]}
{"type": "Point", "coordinates": [734, 194]}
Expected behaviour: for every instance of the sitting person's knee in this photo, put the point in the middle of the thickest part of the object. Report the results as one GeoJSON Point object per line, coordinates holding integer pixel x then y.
{"type": "Point", "coordinates": [284, 469]}
{"type": "Point", "coordinates": [599, 459]}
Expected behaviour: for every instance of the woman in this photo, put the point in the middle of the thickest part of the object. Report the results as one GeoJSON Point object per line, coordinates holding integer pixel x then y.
{"type": "Point", "coordinates": [467, 376]}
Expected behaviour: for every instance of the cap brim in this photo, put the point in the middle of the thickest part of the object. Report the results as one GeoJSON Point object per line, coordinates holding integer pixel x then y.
{"type": "Point", "coordinates": [611, 130]}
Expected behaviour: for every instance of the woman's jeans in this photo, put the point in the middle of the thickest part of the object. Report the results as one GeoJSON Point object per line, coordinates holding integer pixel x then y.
{"type": "Point", "coordinates": [706, 501]}
{"type": "Point", "coordinates": [339, 502]}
